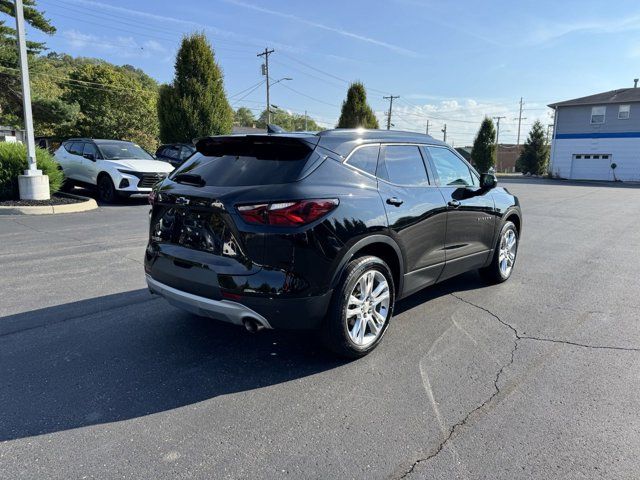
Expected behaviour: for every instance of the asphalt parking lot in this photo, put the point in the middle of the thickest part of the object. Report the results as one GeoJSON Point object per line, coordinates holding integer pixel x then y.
{"type": "Point", "coordinates": [535, 378]}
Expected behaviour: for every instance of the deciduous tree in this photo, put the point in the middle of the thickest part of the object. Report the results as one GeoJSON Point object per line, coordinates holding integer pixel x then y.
{"type": "Point", "coordinates": [243, 117]}
{"type": "Point", "coordinates": [291, 122]}
{"type": "Point", "coordinates": [115, 102]}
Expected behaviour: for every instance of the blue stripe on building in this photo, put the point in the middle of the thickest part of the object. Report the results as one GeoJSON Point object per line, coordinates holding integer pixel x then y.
{"type": "Point", "coordinates": [598, 135]}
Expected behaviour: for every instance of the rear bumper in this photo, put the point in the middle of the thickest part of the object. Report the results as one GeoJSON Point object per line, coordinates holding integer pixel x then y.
{"type": "Point", "coordinates": [300, 313]}
{"type": "Point", "coordinates": [224, 310]}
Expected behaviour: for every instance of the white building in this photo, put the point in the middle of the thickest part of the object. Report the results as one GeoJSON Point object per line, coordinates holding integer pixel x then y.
{"type": "Point", "coordinates": [592, 134]}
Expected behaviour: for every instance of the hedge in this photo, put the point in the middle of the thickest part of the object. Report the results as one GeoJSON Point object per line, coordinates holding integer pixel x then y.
{"type": "Point", "coordinates": [13, 162]}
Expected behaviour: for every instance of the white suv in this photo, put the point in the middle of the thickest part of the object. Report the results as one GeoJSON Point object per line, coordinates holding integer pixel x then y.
{"type": "Point", "coordinates": [115, 167]}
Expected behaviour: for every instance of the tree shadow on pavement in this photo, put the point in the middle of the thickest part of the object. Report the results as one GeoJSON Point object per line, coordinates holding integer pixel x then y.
{"type": "Point", "coordinates": [128, 355]}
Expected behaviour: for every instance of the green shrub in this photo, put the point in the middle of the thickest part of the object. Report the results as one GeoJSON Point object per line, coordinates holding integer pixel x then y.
{"type": "Point", "coordinates": [13, 162]}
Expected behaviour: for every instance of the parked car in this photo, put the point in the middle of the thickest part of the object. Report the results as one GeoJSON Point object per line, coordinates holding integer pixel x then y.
{"type": "Point", "coordinates": [175, 153]}
{"type": "Point", "coordinates": [324, 231]}
{"type": "Point", "coordinates": [116, 168]}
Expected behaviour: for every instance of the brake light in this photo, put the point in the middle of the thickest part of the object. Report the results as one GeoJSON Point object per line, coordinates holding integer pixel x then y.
{"type": "Point", "coordinates": [287, 214]}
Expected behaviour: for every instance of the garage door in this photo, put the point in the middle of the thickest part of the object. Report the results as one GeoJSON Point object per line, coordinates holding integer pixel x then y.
{"type": "Point", "coordinates": [591, 167]}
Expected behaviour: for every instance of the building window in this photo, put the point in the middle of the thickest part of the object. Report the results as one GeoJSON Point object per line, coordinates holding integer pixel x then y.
{"type": "Point", "coordinates": [624, 111]}
{"type": "Point", "coordinates": [597, 114]}
{"type": "Point", "coordinates": [585, 156]}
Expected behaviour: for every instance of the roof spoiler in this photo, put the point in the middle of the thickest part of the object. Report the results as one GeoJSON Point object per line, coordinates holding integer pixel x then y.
{"type": "Point", "coordinates": [272, 128]}
{"type": "Point", "coordinates": [260, 146]}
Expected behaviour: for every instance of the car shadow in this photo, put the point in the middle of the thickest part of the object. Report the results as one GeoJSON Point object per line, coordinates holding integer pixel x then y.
{"type": "Point", "coordinates": [123, 356]}
{"type": "Point", "coordinates": [138, 199]}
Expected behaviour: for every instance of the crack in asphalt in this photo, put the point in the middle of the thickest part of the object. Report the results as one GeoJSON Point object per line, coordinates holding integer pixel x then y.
{"type": "Point", "coordinates": [517, 338]}
{"type": "Point", "coordinates": [520, 336]}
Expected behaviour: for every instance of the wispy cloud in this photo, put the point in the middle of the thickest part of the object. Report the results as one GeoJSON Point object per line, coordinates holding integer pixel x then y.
{"type": "Point", "coordinates": [322, 26]}
{"type": "Point", "coordinates": [126, 47]}
{"type": "Point", "coordinates": [549, 32]}
{"type": "Point", "coordinates": [238, 39]}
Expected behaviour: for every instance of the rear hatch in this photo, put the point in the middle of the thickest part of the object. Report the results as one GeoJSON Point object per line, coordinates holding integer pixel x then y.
{"type": "Point", "coordinates": [196, 233]}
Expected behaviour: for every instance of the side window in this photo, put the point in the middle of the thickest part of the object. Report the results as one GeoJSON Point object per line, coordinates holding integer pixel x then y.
{"type": "Point", "coordinates": [185, 153]}
{"type": "Point", "coordinates": [403, 165]}
{"type": "Point", "coordinates": [91, 148]}
{"type": "Point", "coordinates": [597, 114]}
{"type": "Point", "coordinates": [365, 158]}
{"type": "Point", "coordinates": [171, 152]}
{"type": "Point", "coordinates": [451, 169]}
{"type": "Point", "coordinates": [624, 111]}
{"type": "Point", "coordinates": [76, 148]}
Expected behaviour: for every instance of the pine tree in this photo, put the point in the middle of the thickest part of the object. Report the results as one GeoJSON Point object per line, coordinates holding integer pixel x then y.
{"type": "Point", "coordinates": [32, 16]}
{"type": "Point", "coordinates": [484, 147]}
{"type": "Point", "coordinates": [355, 110]}
{"type": "Point", "coordinates": [535, 152]}
{"type": "Point", "coordinates": [195, 104]}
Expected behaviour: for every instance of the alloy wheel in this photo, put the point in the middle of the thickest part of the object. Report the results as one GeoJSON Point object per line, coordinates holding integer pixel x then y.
{"type": "Point", "coordinates": [368, 308]}
{"type": "Point", "coordinates": [508, 249]}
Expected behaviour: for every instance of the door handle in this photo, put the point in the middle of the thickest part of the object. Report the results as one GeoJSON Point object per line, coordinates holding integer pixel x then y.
{"type": "Point", "coordinates": [395, 201]}
{"type": "Point", "coordinates": [454, 203]}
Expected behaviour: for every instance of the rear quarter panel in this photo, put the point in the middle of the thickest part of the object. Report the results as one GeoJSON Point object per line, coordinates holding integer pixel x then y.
{"type": "Point", "coordinates": [314, 252]}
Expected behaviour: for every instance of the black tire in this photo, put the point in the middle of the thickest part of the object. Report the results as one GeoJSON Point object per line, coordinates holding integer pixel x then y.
{"type": "Point", "coordinates": [67, 185]}
{"type": "Point", "coordinates": [492, 273]}
{"type": "Point", "coordinates": [106, 190]}
{"type": "Point", "coordinates": [335, 333]}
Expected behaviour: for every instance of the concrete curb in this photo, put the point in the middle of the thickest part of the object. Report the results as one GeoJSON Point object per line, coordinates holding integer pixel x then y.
{"type": "Point", "coordinates": [87, 204]}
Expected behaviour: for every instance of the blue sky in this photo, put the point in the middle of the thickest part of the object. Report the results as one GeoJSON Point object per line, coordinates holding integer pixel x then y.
{"type": "Point", "coordinates": [451, 62]}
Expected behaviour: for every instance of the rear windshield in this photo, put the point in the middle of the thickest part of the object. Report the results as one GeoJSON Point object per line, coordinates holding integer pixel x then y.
{"type": "Point", "coordinates": [248, 164]}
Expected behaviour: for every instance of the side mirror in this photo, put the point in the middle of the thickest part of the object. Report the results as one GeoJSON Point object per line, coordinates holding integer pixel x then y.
{"type": "Point", "coordinates": [90, 156]}
{"type": "Point", "coordinates": [488, 181]}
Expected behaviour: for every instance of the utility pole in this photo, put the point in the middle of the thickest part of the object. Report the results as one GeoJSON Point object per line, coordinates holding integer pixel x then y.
{"type": "Point", "coordinates": [390, 98]}
{"type": "Point", "coordinates": [265, 72]}
{"type": "Point", "coordinates": [549, 126]}
{"type": "Point", "coordinates": [305, 121]}
{"type": "Point", "coordinates": [520, 118]}
{"type": "Point", "coordinates": [444, 130]}
{"type": "Point", "coordinates": [427, 127]}
{"type": "Point", "coordinates": [32, 185]}
{"type": "Point", "coordinates": [497, 119]}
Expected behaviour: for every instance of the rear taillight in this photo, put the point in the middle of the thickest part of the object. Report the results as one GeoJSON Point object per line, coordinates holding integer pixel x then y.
{"type": "Point", "coordinates": [152, 197]}
{"type": "Point", "coordinates": [287, 214]}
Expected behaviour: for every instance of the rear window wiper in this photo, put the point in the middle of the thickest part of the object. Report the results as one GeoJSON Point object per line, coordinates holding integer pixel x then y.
{"type": "Point", "coordinates": [189, 179]}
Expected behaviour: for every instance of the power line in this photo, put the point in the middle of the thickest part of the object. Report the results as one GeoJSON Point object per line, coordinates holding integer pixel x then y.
{"type": "Point", "coordinates": [249, 93]}
{"type": "Point", "coordinates": [248, 88]}
{"type": "Point", "coordinates": [84, 83]}
{"type": "Point", "coordinates": [311, 97]}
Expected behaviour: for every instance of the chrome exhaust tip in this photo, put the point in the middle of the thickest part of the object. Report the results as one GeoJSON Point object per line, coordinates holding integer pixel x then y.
{"type": "Point", "coordinates": [252, 325]}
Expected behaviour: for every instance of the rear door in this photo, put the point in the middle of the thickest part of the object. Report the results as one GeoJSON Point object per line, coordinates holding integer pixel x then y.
{"type": "Point", "coordinates": [90, 168]}
{"type": "Point", "coordinates": [416, 212]}
{"type": "Point", "coordinates": [74, 160]}
{"type": "Point", "coordinates": [470, 212]}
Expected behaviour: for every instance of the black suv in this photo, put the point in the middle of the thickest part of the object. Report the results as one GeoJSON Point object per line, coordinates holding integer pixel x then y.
{"type": "Point", "coordinates": [175, 153]}
{"type": "Point", "coordinates": [323, 231]}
